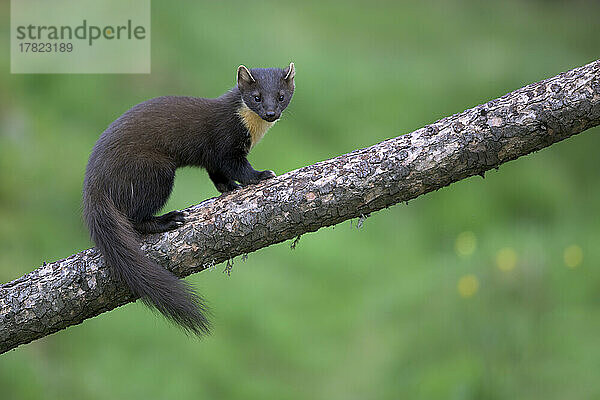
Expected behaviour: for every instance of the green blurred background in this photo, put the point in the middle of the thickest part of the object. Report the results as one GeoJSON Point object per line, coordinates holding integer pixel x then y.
{"type": "Point", "coordinates": [488, 289]}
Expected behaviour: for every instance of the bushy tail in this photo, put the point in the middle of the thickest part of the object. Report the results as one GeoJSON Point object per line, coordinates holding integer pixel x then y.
{"type": "Point", "coordinates": [114, 235]}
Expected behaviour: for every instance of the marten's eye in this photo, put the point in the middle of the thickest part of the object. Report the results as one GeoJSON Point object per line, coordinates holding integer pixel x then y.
{"type": "Point", "coordinates": [280, 97]}
{"type": "Point", "coordinates": [257, 99]}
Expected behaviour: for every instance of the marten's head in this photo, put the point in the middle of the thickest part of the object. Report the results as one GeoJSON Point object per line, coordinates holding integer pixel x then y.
{"type": "Point", "coordinates": [266, 91]}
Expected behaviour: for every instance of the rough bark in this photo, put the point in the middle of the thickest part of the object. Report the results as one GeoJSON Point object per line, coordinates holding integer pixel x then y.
{"type": "Point", "coordinates": [66, 292]}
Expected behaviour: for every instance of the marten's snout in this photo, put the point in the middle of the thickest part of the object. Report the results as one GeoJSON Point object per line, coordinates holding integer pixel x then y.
{"type": "Point", "coordinates": [271, 116]}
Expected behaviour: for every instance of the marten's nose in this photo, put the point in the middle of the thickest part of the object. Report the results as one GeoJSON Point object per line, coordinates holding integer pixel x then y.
{"type": "Point", "coordinates": [270, 114]}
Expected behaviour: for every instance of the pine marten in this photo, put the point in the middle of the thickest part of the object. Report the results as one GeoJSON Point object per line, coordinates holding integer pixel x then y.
{"type": "Point", "coordinates": [130, 174]}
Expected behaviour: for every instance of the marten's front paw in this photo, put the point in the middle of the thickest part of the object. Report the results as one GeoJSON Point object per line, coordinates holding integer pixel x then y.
{"type": "Point", "coordinates": [268, 174]}
{"type": "Point", "coordinates": [259, 176]}
{"type": "Point", "coordinates": [227, 187]}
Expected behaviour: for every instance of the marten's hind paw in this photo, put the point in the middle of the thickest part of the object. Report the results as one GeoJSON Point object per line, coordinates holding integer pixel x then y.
{"type": "Point", "coordinates": [164, 223]}
{"type": "Point", "coordinates": [173, 220]}
{"type": "Point", "coordinates": [176, 216]}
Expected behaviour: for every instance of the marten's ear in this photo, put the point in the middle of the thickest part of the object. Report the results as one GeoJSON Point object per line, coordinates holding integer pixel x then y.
{"type": "Point", "coordinates": [244, 77]}
{"type": "Point", "coordinates": [290, 72]}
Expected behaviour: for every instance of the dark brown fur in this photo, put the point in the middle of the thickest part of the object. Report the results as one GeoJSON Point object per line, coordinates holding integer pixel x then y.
{"type": "Point", "coordinates": [130, 176]}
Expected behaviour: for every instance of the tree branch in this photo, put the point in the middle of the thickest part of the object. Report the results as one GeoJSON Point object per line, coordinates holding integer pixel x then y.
{"type": "Point", "coordinates": [66, 292]}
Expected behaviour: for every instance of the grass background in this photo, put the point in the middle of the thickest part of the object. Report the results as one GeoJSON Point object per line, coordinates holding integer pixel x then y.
{"type": "Point", "coordinates": [488, 289]}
